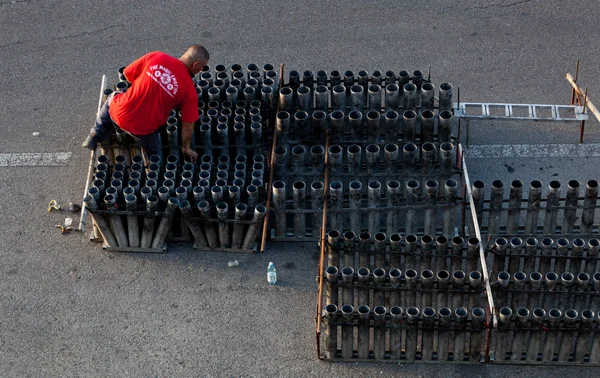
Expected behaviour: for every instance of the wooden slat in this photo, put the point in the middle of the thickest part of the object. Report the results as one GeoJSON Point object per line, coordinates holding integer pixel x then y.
{"type": "Point", "coordinates": [580, 92]}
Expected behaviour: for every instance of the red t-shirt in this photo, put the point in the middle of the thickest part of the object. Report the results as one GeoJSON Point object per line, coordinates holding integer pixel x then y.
{"type": "Point", "coordinates": [159, 83]}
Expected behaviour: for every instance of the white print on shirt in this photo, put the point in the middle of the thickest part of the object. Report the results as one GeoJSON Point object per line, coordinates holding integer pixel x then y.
{"type": "Point", "coordinates": [165, 78]}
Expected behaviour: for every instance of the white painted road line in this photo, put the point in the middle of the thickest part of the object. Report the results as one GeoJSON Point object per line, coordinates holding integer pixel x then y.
{"type": "Point", "coordinates": [491, 151]}
{"type": "Point", "coordinates": [56, 159]}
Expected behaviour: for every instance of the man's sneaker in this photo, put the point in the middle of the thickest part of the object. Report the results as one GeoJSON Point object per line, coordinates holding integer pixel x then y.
{"type": "Point", "coordinates": [90, 142]}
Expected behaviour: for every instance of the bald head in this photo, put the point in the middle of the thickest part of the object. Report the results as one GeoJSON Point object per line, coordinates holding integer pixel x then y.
{"type": "Point", "coordinates": [195, 58]}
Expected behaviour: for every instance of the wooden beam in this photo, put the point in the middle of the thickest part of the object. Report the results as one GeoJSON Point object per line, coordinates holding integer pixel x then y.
{"type": "Point", "coordinates": [581, 93]}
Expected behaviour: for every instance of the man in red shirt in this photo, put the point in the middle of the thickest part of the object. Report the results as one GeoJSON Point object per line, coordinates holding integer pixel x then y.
{"type": "Point", "coordinates": [159, 83]}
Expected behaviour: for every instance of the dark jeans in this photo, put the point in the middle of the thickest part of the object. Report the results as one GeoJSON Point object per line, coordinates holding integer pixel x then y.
{"type": "Point", "coordinates": [151, 143]}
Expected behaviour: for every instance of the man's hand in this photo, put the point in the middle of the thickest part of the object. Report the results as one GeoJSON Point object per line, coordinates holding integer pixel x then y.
{"type": "Point", "coordinates": [190, 154]}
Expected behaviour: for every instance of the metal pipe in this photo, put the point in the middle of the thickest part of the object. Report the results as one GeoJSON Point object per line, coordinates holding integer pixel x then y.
{"type": "Point", "coordinates": [576, 255]}
{"type": "Point", "coordinates": [430, 213]}
{"type": "Point", "coordinates": [354, 159]}
{"type": "Point", "coordinates": [373, 125]}
{"type": "Point", "coordinates": [411, 333]}
{"type": "Point", "coordinates": [298, 161]}
{"type": "Point", "coordinates": [410, 276]}
{"type": "Point", "coordinates": [100, 221]}
{"type": "Point", "coordinates": [280, 157]}
{"type": "Point", "coordinates": [395, 257]}
{"type": "Point", "coordinates": [445, 126]}
{"type": "Point", "coordinates": [279, 203]}
{"type": "Point", "coordinates": [392, 97]}
{"type": "Point", "coordinates": [516, 248]}
{"type": "Point", "coordinates": [259, 213]}
{"type": "Point", "coordinates": [565, 349]}
{"type": "Point", "coordinates": [478, 194]}
{"type": "Point", "coordinates": [374, 197]}
{"type": "Point", "coordinates": [317, 159]}
{"type": "Point", "coordinates": [519, 334]}
{"type": "Point", "coordinates": [409, 94]}
{"type": "Point", "coordinates": [538, 317]}
{"type": "Point", "coordinates": [551, 281]}
{"type": "Point", "coordinates": [347, 288]}
{"type": "Point", "coordinates": [535, 283]}
{"type": "Point", "coordinates": [571, 207]}
{"type": "Point", "coordinates": [560, 260]}
{"type": "Point", "coordinates": [374, 94]}
{"type": "Point", "coordinates": [252, 192]}
{"type": "Point", "coordinates": [503, 329]}
{"type": "Point", "coordinates": [392, 124]}
{"type": "Point", "coordinates": [354, 203]}
{"type": "Point", "coordinates": [427, 334]}
{"type": "Point", "coordinates": [209, 228]}
{"type": "Point", "coordinates": [552, 202]}
{"type": "Point", "coordinates": [347, 331]}
{"type": "Point", "coordinates": [238, 228]}
{"type": "Point", "coordinates": [591, 264]}
{"type": "Point", "coordinates": [584, 336]}
{"type": "Point", "coordinates": [457, 253]}
{"type": "Point", "coordinates": [372, 154]}
{"type": "Point", "coordinates": [133, 230]}
{"type": "Point", "coordinates": [472, 253]}
{"type": "Point", "coordinates": [427, 96]}
{"type": "Point", "coordinates": [338, 98]}
{"type": "Point", "coordinates": [335, 78]}
{"type": "Point", "coordinates": [330, 331]}
{"type": "Point", "coordinates": [282, 126]}
{"type": "Point", "coordinates": [441, 245]}
{"type": "Point", "coordinates": [514, 206]}
{"type": "Point", "coordinates": [426, 287]}
{"type": "Point", "coordinates": [380, 243]}
{"type": "Point", "coordinates": [391, 154]}
{"type": "Point", "coordinates": [379, 332]}
{"type": "Point", "coordinates": [363, 332]}
{"type": "Point", "coordinates": [519, 298]}
{"type": "Point", "coordinates": [395, 333]}
{"type": "Point", "coordinates": [477, 320]}
{"type": "Point", "coordinates": [443, 347]}
{"type": "Point", "coordinates": [458, 282]}
{"type": "Point", "coordinates": [304, 98]}
{"type": "Point", "coordinates": [336, 164]}
{"type": "Point", "coordinates": [316, 199]}
{"type": "Point", "coordinates": [460, 315]}
{"type": "Point", "coordinates": [495, 207]}
{"type": "Point", "coordinates": [286, 99]}
{"type": "Point", "coordinates": [376, 77]}
{"type": "Point", "coordinates": [336, 198]}
{"type": "Point", "coordinates": [566, 280]}
{"type": "Point", "coordinates": [349, 237]}
{"type": "Point", "coordinates": [427, 117]}
{"type": "Point", "coordinates": [393, 200]}
{"type": "Point", "coordinates": [595, 351]}
{"type": "Point", "coordinates": [355, 123]}
{"type": "Point", "coordinates": [165, 223]}
{"type": "Point", "coordinates": [412, 190]}
{"type": "Point", "coordinates": [337, 125]}
{"type": "Point", "coordinates": [589, 204]}
{"type": "Point", "coordinates": [331, 275]}
{"type": "Point", "coordinates": [357, 97]}
{"type": "Point", "coordinates": [299, 201]}
{"type": "Point", "coordinates": [445, 96]}
{"type": "Point", "coordinates": [554, 316]}
{"type": "Point", "coordinates": [116, 223]}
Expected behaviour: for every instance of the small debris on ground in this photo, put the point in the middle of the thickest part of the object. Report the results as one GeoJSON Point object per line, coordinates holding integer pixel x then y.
{"type": "Point", "coordinates": [36, 133]}
{"type": "Point", "coordinates": [53, 205]}
{"type": "Point", "coordinates": [63, 229]}
{"type": "Point", "coordinates": [233, 263]}
{"type": "Point", "coordinates": [73, 207]}
{"type": "Point", "coordinates": [68, 222]}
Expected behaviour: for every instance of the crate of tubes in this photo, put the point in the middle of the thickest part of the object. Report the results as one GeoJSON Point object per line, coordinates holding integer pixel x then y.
{"type": "Point", "coordinates": [389, 149]}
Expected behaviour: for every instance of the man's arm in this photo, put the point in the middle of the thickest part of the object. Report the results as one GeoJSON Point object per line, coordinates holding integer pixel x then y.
{"type": "Point", "coordinates": [186, 138]}
{"type": "Point", "coordinates": [135, 68]}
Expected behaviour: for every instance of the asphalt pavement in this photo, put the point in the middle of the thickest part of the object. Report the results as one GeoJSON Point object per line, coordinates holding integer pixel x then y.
{"type": "Point", "coordinates": [67, 308]}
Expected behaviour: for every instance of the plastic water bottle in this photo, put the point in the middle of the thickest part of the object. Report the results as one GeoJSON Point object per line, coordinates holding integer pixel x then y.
{"type": "Point", "coordinates": [271, 274]}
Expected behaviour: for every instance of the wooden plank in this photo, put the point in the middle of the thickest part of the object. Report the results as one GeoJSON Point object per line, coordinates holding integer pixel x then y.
{"type": "Point", "coordinates": [580, 92]}
{"type": "Point", "coordinates": [136, 250]}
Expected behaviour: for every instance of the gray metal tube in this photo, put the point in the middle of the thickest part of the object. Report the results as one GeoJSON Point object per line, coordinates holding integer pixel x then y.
{"type": "Point", "coordinates": [335, 159]}
{"type": "Point", "coordinates": [374, 94]}
{"type": "Point", "coordinates": [304, 98]}
{"type": "Point", "coordinates": [443, 347]}
{"type": "Point", "coordinates": [450, 192]}
{"type": "Point", "coordinates": [444, 126]}
{"type": "Point", "coordinates": [478, 192]}
{"type": "Point", "coordinates": [347, 289]}
{"type": "Point", "coordinates": [282, 127]}
{"type": "Point", "coordinates": [380, 243]}
{"type": "Point", "coordinates": [427, 96]}
{"type": "Point", "coordinates": [165, 223]}
{"type": "Point", "coordinates": [441, 246]}
{"type": "Point", "coordinates": [395, 240]}
{"type": "Point", "coordinates": [337, 125]}
{"type": "Point", "coordinates": [495, 207]}
{"type": "Point", "coordinates": [116, 223]}
{"type": "Point", "coordinates": [149, 220]}
{"type": "Point", "coordinates": [195, 228]}
{"type": "Point", "coordinates": [427, 118]}
{"type": "Point", "coordinates": [316, 199]}
{"type": "Point", "coordinates": [238, 228]}
{"type": "Point", "coordinates": [445, 96]}
{"type": "Point", "coordinates": [280, 160]}
{"type": "Point", "coordinates": [411, 333]}
{"type": "Point", "coordinates": [571, 207]}
{"type": "Point", "coordinates": [458, 282]}
{"type": "Point", "coordinates": [538, 317]}
{"type": "Point", "coordinates": [338, 97]}
{"type": "Point", "coordinates": [562, 248]}
{"type": "Point", "coordinates": [589, 204]}
{"type": "Point", "coordinates": [391, 154]}
{"type": "Point", "coordinates": [503, 333]}
{"type": "Point", "coordinates": [279, 204]}
{"type": "Point", "coordinates": [551, 281]}
{"type": "Point", "coordinates": [477, 320]}
{"type": "Point", "coordinates": [514, 206]}
{"type": "Point", "coordinates": [519, 334]}
{"type": "Point", "coordinates": [394, 193]}
{"type": "Point", "coordinates": [299, 200]}
{"type": "Point", "coordinates": [363, 332]}
{"type": "Point", "coordinates": [357, 97]}
{"type": "Point", "coordinates": [457, 253]}
{"type": "Point", "coordinates": [347, 331]}
{"type": "Point", "coordinates": [396, 333]}
{"type": "Point", "coordinates": [374, 197]}
{"type": "Point", "coordinates": [576, 255]}
{"type": "Point", "coordinates": [354, 203]}
{"type": "Point", "coordinates": [354, 159]}
{"type": "Point", "coordinates": [516, 249]}
{"type": "Point", "coordinates": [472, 253]}
{"type": "Point", "coordinates": [584, 336]}
{"type": "Point", "coordinates": [392, 124]}
{"type": "Point", "coordinates": [552, 202]}
{"type": "Point", "coordinates": [392, 97]}
{"type": "Point", "coordinates": [209, 228]}
{"type": "Point", "coordinates": [322, 98]}
{"type": "Point", "coordinates": [331, 275]}
{"type": "Point", "coordinates": [565, 348]}
{"type": "Point", "coordinates": [286, 99]}
{"type": "Point", "coordinates": [460, 315]}
{"type": "Point", "coordinates": [259, 213]}
{"type": "Point", "coordinates": [413, 190]}
{"type": "Point", "coordinates": [595, 352]}
{"type": "Point", "coordinates": [298, 161]}
{"type": "Point", "coordinates": [349, 245]}
{"type": "Point", "coordinates": [133, 230]}
{"type": "Point", "coordinates": [427, 334]}
{"type": "Point", "coordinates": [355, 123]}
{"type": "Point", "coordinates": [431, 194]}
{"type": "Point", "coordinates": [372, 153]}
{"type": "Point", "coordinates": [107, 235]}
{"type": "Point", "coordinates": [373, 125]}
{"type": "Point", "coordinates": [426, 286]}
{"type": "Point", "coordinates": [330, 331]}
{"type": "Point", "coordinates": [336, 198]}
{"type": "Point", "coordinates": [317, 160]}
{"type": "Point", "coordinates": [533, 205]}
{"type": "Point", "coordinates": [592, 253]}
{"type": "Point", "coordinates": [410, 276]}
{"type": "Point", "coordinates": [409, 94]}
